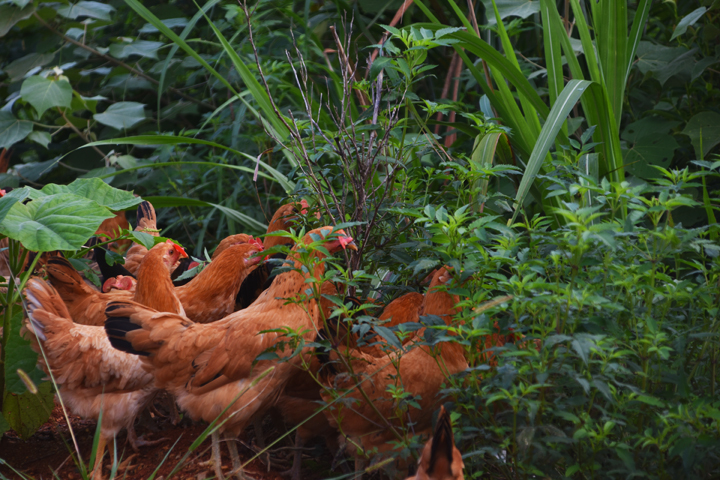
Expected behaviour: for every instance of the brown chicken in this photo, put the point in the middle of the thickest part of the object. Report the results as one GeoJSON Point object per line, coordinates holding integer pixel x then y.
{"type": "Point", "coordinates": [91, 374]}
{"type": "Point", "coordinates": [87, 305]}
{"type": "Point", "coordinates": [421, 372]}
{"type": "Point", "coordinates": [440, 458]}
{"type": "Point", "coordinates": [212, 294]}
{"type": "Point", "coordinates": [209, 367]}
{"type": "Point", "coordinates": [147, 223]}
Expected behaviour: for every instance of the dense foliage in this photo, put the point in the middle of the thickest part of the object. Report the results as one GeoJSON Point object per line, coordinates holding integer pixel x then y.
{"type": "Point", "coordinates": [559, 155]}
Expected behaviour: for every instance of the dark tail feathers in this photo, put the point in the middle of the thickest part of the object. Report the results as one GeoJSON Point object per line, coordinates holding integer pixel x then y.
{"type": "Point", "coordinates": [117, 327]}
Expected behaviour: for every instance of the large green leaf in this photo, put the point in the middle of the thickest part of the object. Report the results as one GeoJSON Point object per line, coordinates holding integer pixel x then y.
{"type": "Point", "coordinates": [43, 93]}
{"type": "Point", "coordinates": [703, 127]}
{"type": "Point", "coordinates": [564, 104]}
{"type": "Point", "coordinates": [654, 149]}
{"type": "Point", "coordinates": [19, 355]}
{"type": "Point", "coordinates": [10, 15]}
{"type": "Point", "coordinates": [57, 222]}
{"type": "Point", "coordinates": [93, 189]}
{"type": "Point", "coordinates": [511, 8]}
{"type": "Point", "coordinates": [122, 115]}
{"type": "Point", "coordinates": [12, 130]}
{"type": "Point", "coordinates": [27, 412]}
{"type": "Point", "coordinates": [4, 425]}
{"type": "Point", "coordinates": [18, 68]}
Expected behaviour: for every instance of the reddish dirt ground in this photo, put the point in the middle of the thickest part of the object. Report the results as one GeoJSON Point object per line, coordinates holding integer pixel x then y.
{"type": "Point", "coordinates": [46, 452]}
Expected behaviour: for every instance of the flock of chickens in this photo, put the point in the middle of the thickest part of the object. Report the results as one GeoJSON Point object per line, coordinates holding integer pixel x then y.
{"type": "Point", "coordinates": [199, 339]}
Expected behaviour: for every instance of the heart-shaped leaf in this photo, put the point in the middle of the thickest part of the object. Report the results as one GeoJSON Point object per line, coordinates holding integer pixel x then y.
{"type": "Point", "coordinates": [87, 9]}
{"type": "Point", "coordinates": [43, 93]}
{"type": "Point", "coordinates": [27, 412]}
{"type": "Point", "coordinates": [56, 222]}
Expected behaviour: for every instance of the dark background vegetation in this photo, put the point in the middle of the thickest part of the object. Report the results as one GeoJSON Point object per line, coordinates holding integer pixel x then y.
{"type": "Point", "coordinates": [612, 267]}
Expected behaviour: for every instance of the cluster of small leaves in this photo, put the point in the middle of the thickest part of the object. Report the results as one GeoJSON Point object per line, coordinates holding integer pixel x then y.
{"type": "Point", "coordinates": [610, 370]}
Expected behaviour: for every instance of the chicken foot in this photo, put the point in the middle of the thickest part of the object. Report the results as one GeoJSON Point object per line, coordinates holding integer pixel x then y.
{"type": "Point", "coordinates": [294, 472]}
{"type": "Point", "coordinates": [237, 464]}
{"type": "Point", "coordinates": [136, 441]}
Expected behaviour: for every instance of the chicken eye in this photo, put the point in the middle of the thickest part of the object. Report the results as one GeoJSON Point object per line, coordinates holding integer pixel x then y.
{"type": "Point", "coordinates": [171, 251]}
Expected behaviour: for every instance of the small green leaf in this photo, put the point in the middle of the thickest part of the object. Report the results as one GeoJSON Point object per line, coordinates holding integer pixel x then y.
{"type": "Point", "coordinates": [144, 239]}
{"type": "Point", "coordinates": [655, 402]}
{"type": "Point", "coordinates": [56, 222]}
{"type": "Point", "coordinates": [142, 48]}
{"type": "Point", "coordinates": [42, 138]}
{"type": "Point", "coordinates": [43, 93]}
{"type": "Point", "coordinates": [122, 115]}
{"type": "Point", "coordinates": [687, 21]}
{"type": "Point", "coordinates": [12, 130]}
{"type": "Point", "coordinates": [27, 412]}
{"type": "Point", "coordinates": [97, 10]}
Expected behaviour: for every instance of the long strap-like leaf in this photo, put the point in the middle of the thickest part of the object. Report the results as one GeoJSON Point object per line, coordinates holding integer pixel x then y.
{"type": "Point", "coordinates": [565, 102]}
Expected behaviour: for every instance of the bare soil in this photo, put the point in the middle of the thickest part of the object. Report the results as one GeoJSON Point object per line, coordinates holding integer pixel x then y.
{"type": "Point", "coordinates": [49, 450]}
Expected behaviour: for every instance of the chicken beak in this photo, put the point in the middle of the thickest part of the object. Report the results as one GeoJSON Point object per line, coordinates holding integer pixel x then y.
{"type": "Point", "coordinates": [348, 242]}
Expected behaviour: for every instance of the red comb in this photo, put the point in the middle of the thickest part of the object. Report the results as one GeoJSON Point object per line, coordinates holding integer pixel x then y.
{"type": "Point", "coordinates": [305, 206]}
{"type": "Point", "coordinates": [2, 193]}
{"type": "Point", "coordinates": [178, 249]}
{"type": "Point", "coordinates": [257, 242]}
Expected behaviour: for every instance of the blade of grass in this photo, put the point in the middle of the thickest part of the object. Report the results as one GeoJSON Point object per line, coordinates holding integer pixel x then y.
{"type": "Point", "coordinates": [167, 201]}
{"type": "Point", "coordinates": [565, 102]}
{"type": "Point", "coordinates": [641, 16]}
{"type": "Point", "coordinates": [612, 47]}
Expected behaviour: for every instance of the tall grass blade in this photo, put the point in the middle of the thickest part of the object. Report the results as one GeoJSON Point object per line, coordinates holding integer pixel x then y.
{"type": "Point", "coordinates": [565, 102]}
{"type": "Point", "coordinates": [552, 42]}
{"type": "Point", "coordinates": [257, 90]}
{"type": "Point", "coordinates": [288, 185]}
{"type": "Point", "coordinates": [612, 47]}
{"type": "Point", "coordinates": [641, 17]}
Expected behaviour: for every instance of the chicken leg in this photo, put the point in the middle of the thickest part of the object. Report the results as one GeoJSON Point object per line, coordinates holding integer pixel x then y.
{"type": "Point", "coordinates": [294, 472]}
{"type": "Point", "coordinates": [216, 458]}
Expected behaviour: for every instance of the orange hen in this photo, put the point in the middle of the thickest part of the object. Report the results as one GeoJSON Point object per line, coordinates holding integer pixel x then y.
{"type": "Point", "coordinates": [440, 458]}
{"type": "Point", "coordinates": [419, 373]}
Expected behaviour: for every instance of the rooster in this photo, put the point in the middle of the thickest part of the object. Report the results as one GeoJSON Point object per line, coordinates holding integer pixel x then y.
{"type": "Point", "coordinates": [440, 458]}
{"type": "Point", "coordinates": [422, 371]}
{"type": "Point", "coordinates": [211, 367]}
{"type": "Point", "coordinates": [87, 305]}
